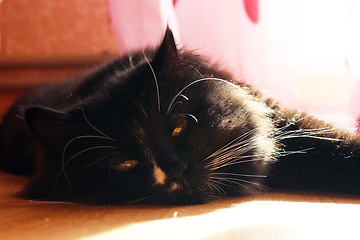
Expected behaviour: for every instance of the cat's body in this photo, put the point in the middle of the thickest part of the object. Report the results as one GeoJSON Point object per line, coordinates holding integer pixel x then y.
{"type": "Point", "coordinates": [163, 126]}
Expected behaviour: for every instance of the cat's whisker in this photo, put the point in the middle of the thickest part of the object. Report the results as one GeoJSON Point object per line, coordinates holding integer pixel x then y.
{"type": "Point", "coordinates": [80, 137]}
{"type": "Point", "coordinates": [200, 189]}
{"type": "Point", "coordinates": [302, 151]}
{"type": "Point", "coordinates": [185, 97]}
{"type": "Point", "coordinates": [221, 181]}
{"type": "Point", "coordinates": [179, 102]}
{"type": "Point", "coordinates": [215, 185]}
{"type": "Point", "coordinates": [234, 156]}
{"type": "Point", "coordinates": [64, 151]}
{"type": "Point", "coordinates": [237, 147]}
{"type": "Point", "coordinates": [235, 181]}
{"type": "Point", "coordinates": [320, 131]}
{"type": "Point", "coordinates": [313, 135]}
{"type": "Point", "coordinates": [138, 200]}
{"type": "Point", "coordinates": [88, 149]}
{"type": "Point", "coordinates": [185, 115]}
{"type": "Point", "coordinates": [192, 116]}
{"type": "Point", "coordinates": [83, 111]}
{"type": "Point", "coordinates": [155, 79]}
{"type": "Point", "coordinates": [235, 162]}
{"type": "Point", "coordinates": [228, 157]}
{"type": "Point", "coordinates": [308, 133]}
{"type": "Point", "coordinates": [326, 130]}
{"type": "Point", "coordinates": [232, 142]}
{"type": "Point", "coordinates": [98, 160]}
{"type": "Point", "coordinates": [176, 115]}
{"type": "Point", "coordinates": [110, 166]}
{"type": "Point", "coordinates": [232, 152]}
{"type": "Point", "coordinates": [239, 174]}
{"type": "Point", "coordinates": [309, 136]}
{"type": "Point", "coordinates": [62, 170]}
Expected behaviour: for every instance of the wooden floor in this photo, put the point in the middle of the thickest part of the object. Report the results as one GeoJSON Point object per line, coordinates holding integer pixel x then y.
{"type": "Point", "coordinates": [265, 216]}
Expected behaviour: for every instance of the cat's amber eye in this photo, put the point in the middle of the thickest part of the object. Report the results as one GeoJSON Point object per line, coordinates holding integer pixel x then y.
{"type": "Point", "coordinates": [125, 166]}
{"type": "Point", "coordinates": [180, 128]}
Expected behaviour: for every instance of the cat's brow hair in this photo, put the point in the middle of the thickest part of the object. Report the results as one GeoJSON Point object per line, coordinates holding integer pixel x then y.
{"type": "Point", "coordinates": [155, 79]}
{"type": "Point", "coordinates": [185, 115]}
{"type": "Point", "coordinates": [178, 102]}
{"type": "Point", "coordinates": [194, 82]}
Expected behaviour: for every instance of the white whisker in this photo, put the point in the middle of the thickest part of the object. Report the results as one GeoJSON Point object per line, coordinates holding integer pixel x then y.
{"type": "Point", "coordinates": [234, 180]}
{"type": "Point", "coordinates": [233, 153]}
{"type": "Point", "coordinates": [95, 127]}
{"type": "Point", "coordinates": [178, 102]}
{"type": "Point", "coordinates": [192, 116]}
{"type": "Point", "coordinates": [62, 170]}
{"type": "Point", "coordinates": [235, 162]}
{"type": "Point", "coordinates": [98, 160]}
{"type": "Point", "coordinates": [229, 145]}
{"type": "Point", "coordinates": [194, 82]}
{"type": "Point", "coordinates": [88, 149]}
{"type": "Point", "coordinates": [185, 115]}
{"type": "Point", "coordinates": [302, 151]}
{"type": "Point", "coordinates": [220, 181]}
{"type": "Point", "coordinates": [137, 200]}
{"type": "Point", "coordinates": [215, 185]}
{"type": "Point", "coordinates": [110, 165]}
{"type": "Point", "coordinates": [155, 79]}
{"type": "Point", "coordinates": [239, 174]}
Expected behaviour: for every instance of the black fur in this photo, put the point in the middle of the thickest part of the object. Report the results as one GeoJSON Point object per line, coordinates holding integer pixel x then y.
{"type": "Point", "coordinates": [71, 137]}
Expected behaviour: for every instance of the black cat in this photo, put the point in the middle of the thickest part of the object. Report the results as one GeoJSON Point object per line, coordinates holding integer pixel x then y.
{"type": "Point", "coordinates": [164, 126]}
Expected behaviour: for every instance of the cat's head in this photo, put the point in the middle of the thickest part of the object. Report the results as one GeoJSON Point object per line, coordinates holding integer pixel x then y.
{"type": "Point", "coordinates": [164, 127]}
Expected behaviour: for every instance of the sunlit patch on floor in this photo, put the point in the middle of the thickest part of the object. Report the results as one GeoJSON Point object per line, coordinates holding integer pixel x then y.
{"type": "Point", "coordinates": [251, 220]}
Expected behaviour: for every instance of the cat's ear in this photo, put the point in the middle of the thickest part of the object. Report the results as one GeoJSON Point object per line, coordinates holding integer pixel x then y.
{"type": "Point", "coordinates": [167, 51]}
{"type": "Point", "coordinates": [48, 126]}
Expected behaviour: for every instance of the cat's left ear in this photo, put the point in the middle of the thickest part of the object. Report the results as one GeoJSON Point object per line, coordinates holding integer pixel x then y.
{"type": "Point", "coordinates": [167, 51]}
{"type": "Point", "coordinates": [48, 125]}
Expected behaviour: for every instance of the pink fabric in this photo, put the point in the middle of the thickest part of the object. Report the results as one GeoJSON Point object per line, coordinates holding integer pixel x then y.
{"type": "Point", "coordinates": [240, 35]}
{"type": "Point", "coordinates": [141, 23]}
{"type": "Point", "coordinates": [259, 41]}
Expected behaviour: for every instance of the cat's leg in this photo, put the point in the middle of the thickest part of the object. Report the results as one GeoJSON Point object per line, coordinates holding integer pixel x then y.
{"type": "Point", "coordinates": [16, 144]}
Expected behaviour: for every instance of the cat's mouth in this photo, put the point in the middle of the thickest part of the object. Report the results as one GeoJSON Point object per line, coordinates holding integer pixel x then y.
{"type": "Point", "coordinates": [180, 186]}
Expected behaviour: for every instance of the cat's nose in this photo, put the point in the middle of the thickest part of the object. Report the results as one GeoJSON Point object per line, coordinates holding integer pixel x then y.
{"type": "Point", "coordinates": [177, 175]}
{"type": "Point", "coordinates": [178, 172]}
{"type": "Point", "coordinates": [172, 165]}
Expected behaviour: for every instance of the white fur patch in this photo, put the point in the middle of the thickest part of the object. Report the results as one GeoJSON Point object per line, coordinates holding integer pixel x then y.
{"type": "Point", "coordinates": [159, 175]}
{"type": "Point", "coordinates": [174, 187]}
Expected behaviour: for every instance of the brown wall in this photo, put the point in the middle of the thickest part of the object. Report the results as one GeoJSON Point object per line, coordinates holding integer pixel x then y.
{"type": "Point", "coordinates": [48, 27]}
{"type": "Point", "coordinates": [44, 41]}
